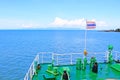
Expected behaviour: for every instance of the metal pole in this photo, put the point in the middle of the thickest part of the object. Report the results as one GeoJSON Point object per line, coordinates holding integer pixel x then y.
{"type": "Point", "coordinates": [42, 57]}
{"type": "Point", "coordinates": [85, 37]}
{"type": "Point", "coordinates": [57, 59]}
{"type": "Point", "coordinates": [85, 34]}
{"type": "Point", "coordinates": [85, 40]}
{"type": "Point", "coordinates": [71, 58]}
{"type": "Point", "coordinates": [116, 56]}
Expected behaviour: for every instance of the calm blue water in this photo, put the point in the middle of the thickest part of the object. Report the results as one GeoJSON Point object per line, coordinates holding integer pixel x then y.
{"type": "Point", "coordinates": [19, 47]}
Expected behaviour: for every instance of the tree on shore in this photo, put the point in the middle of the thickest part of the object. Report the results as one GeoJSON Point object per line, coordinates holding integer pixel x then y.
{"type": "Point", "coordinates": [117, 30]}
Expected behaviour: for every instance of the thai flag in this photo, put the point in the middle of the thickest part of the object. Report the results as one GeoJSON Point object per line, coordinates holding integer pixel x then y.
{"type": "Point", "coordinates": [91, 24]}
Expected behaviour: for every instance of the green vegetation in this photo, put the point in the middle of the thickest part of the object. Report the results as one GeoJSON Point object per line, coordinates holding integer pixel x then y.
{"type": "Point", "coordinates": [112, 30]}
{"type": "Point", "coordinates": [117, 30]}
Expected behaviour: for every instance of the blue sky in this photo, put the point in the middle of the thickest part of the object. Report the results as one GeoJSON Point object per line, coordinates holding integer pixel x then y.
{"type": "Point", "coordinates": [59, 14]}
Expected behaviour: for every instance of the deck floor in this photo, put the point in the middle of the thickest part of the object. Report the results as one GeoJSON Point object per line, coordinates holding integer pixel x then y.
{"type": "Point", "coordinates": [105, 72]}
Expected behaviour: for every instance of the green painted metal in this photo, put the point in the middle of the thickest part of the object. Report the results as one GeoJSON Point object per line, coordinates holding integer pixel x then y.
{"type": "Point", "coordinates": [53, 70]}
{"type": "Point", "coordinates": [110, 47]}
{"type": "Point", "coordinates": [104, 72]}
{"type": "Point", "coordinates": [116, 67]}
{"type": "Point", "coordinates": [84, 63]}
{"type": "Point", "coordinates": [110, 58]}
{"type": "Point", "coordinates": [79, 64]}
{"type": "Point", "coordinates": [92, 61]}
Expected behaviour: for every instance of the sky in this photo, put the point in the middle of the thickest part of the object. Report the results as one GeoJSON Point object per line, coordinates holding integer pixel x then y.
{"type": "Point", "coordinates": [59, 14]}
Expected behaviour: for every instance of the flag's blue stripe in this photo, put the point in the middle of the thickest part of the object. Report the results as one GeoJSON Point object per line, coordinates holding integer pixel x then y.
{"type": "Point", "coordinates": [91, 24]}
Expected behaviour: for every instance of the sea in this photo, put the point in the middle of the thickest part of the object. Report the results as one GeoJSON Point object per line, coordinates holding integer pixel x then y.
{"type": "Point", "coordinates": [19, 47]}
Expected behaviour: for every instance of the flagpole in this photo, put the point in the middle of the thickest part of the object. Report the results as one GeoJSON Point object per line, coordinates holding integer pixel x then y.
{"type": "Point", "coordinates": [85, 35]}
{"type": "Point", "coordinates": [85, 38]}
{"type": "Point", "coordinates": [89, 25]}
{"type": "Point", "coordinates": [85, 51]}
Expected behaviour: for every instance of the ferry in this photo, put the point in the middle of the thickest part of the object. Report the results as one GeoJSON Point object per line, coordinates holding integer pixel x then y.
{"type": "Point", "coordinates": [78, 66]}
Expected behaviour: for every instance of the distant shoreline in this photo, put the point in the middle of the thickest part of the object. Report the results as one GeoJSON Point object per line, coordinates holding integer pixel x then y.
{"type": "Point", "coordinates": [116, 30]}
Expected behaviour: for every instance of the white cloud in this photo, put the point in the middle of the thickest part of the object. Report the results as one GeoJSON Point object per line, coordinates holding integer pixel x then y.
{"type": "Point", "coordinates": [77, 23]}
{"type": "Point", "coordinates": [101, 23]}
{"type": "Point", "coordinates": [17, 24]}
{"type": "Point", "coordinates": [57, 23]}
{"type": "Point", "coordinates": [29, 25]}
{"type": "Point", "coordinates": [64, 22]}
